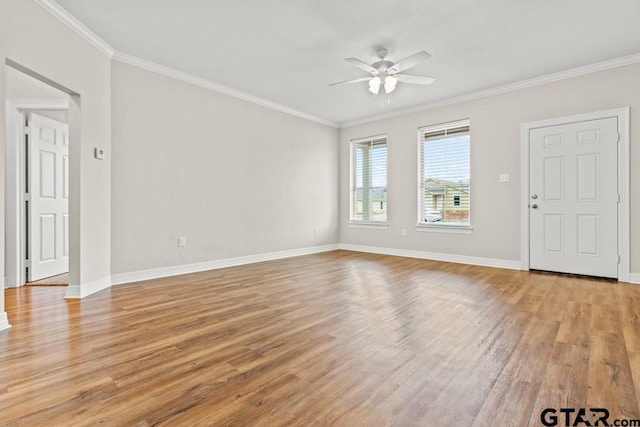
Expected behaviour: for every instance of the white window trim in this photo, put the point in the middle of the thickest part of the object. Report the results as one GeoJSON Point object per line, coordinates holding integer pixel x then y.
{"type": "Point", "coordinates": [372, 225]}
{"type": "Point", "coordinates": [366, 224]}
{"type": "Point", "coordinates": [430, 227]}
{"type": "Point", "coordinates": [442, 227]}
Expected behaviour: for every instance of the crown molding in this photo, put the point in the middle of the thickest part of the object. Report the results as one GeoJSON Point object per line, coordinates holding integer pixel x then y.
{"type": "Point", "coordinates": [536, 81]}
{"type": "Point", "coordinates": [70, 21]}
{"type": "Point", "coordinates": [78, 27]}
{"type": "Point", "coordinates": [207, 84]}
{"type": "Point", "coordinates": [66, 18]}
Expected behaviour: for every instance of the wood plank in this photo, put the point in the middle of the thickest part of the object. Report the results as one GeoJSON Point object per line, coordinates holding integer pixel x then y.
{"type": "Point", "coordinates": [337, 338]}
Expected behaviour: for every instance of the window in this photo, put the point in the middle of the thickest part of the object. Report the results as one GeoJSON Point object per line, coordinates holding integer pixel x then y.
{"type": "Point", "coordinates": [444, 174]}
{"type": "Point", "coordinates": [369, 180]}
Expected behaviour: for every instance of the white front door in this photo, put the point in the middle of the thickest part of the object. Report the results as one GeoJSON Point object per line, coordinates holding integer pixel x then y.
{"type": "Point", "coordinates": [48, 200]}
{"type": "Point", "coordinates": [573, 198]}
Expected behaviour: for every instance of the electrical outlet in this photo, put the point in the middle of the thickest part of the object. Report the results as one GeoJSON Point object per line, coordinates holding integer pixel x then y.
{"type": "Point", "coordinates": [182, 242]}
{"type": "Point", "coordinates": [504, 177]}
{"type": "Point", "coordinates": [404, 232]}
{"type": "Point", "coordinates": [315, 230]}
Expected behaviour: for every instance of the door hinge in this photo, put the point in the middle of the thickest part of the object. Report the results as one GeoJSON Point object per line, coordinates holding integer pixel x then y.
{"type": "Point", "coordinates": [618, 137]}
{"type": "Point", "coordinates": [618, 258]}
{"type": "Point", "coordinates": [27, 197]}
{"type": "Point", "coordinates": [618, 197]}
{"type": "Point", "coordinates": [27, 263]}
{"type": "Point", "coordinates": [27, 130]}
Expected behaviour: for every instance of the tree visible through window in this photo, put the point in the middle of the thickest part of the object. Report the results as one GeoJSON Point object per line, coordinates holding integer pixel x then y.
{"type": "Point", "coordinates": [369, 179]}
{"type": "Point", "coordinates": [444, 174]}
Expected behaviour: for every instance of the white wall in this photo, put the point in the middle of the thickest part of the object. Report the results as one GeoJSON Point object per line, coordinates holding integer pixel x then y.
{"type": "Point", "coordinates": [36, 40]}
{"type": "Point", "coordinates": [232, 177]}
{"type": "Point", "coordinates": [495, 142]}
{"type": "Point", "coordinates": [20, 86]}
{"type": "Point", "coordinates": [4, 322]}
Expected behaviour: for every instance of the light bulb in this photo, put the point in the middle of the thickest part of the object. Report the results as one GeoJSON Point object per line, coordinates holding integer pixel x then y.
{"type": "Point", "coordinates": [374, 85]}
{"type": "Point", "coordinates": [390, 84]}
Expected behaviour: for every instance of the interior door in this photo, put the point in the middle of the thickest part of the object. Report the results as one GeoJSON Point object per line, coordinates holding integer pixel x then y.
{"type": "Point", "coordinates": [573, 206]}
{"type": "Point", "coordinates": [48, 197]}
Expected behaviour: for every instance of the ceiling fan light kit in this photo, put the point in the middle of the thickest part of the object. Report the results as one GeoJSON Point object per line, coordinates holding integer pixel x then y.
{"type": "Point", "coordinates": [390, 84]}
{"type": "Point", "coordinates": [376, 82]}
{"type": "Point", "coordinates": [374, 85]}
{"type": "Point", "coordinates": [386, 75]}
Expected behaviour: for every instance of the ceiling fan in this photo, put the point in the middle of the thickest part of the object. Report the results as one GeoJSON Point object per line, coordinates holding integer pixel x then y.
{"type": "Point", "coordinates": [385, 74]}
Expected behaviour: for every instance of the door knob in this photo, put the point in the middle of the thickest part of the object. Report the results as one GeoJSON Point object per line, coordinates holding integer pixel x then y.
{"type": "Point", "coordinates": [534, 206]}
{"type": "Point", "coordinates": [535, 196]}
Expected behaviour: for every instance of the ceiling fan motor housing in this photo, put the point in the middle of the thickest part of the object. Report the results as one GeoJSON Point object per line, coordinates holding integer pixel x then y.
{"type": "Point", "coordinates": [382, 65]}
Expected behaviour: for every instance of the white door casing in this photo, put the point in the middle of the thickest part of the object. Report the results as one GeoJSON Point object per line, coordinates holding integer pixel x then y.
{"type": "Point", "coordinates": [573, 197]}
{"type": "Point", "coordinates": [15, 184]}
{"type": "Point", "coordinates": [48, 189]}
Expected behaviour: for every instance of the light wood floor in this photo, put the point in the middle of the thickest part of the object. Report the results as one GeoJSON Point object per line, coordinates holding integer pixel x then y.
{"type": "Point", "coordinates": [338, 338]}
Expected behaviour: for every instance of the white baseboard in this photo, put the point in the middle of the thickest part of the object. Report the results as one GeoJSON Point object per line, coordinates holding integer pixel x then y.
{"type": "Point", "coordinates": [156, 273]}
{"type": "Point", "coordinates": [435, 256]}
{"type": "Point", "coordinates": [634, 278]}
{"type": "Point", "coordinates": [4, 321]}
{"type": "Point", "coordinates": [78, 292]}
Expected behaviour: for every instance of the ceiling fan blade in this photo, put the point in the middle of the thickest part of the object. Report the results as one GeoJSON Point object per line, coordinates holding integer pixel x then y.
{"type": "Point", "coordinates": [362, 65]}
{"type": "Point", "coordinates": [346, 82]}
{"type": "Point", "coordinates": [409, 62]}
{"type": "Point", "coordinates": [410, 78]}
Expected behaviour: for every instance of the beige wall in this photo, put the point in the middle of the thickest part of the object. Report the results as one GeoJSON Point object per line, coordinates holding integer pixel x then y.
{"type": "Point", "coordinates": [495, 149]}
{"type": "Point", "coordinates": [20, 86]}
{"type": "Point", "coordinates": [232, 177]}
{"type": "Point", "coordinates": [34, 39]}
{"type": "Point", "coordinates": [3, 315]}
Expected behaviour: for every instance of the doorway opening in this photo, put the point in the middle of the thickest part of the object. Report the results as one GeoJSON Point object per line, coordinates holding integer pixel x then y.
{"type": "Point", "coordinates": [38, 174]}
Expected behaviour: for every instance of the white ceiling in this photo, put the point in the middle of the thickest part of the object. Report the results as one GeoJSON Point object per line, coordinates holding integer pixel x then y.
{"type": "Point", "coordinates": [288, 51]}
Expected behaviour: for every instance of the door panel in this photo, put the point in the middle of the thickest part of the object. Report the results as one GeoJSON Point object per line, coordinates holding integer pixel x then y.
{"type": "Point", "coordinates": [573, 214]}
{"type": "Point", "coordinates": [47, 175]}
{"type": "Point", "coordinates": [47, 237]}
{"type": "Point", "coordinates": [65, 176]}
{"type": "Point", "coordinates": [553, 179]}
{"type": "Point", "coordinates": [553, 233]}
{"type": "Point", "coordinates": [588, 177]}
{"type": "Point", "coordinates": [65, 236]}
{"type": "Point", "coordinates": [588, 232]}
{"type": "Point", "coordinates": [48, 205]}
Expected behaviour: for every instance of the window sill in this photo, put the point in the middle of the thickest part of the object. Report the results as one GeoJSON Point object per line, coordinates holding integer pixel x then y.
{"type": "Point", "coordinates": [445, 228]}
{"type": "Point", "coordinates": [370, 225]}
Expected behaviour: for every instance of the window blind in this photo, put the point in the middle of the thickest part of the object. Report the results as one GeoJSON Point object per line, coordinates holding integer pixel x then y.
{"type": "Point", "coordinates": [369, 179]}
{"type": "Point", "coordinates": [444, 174]}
